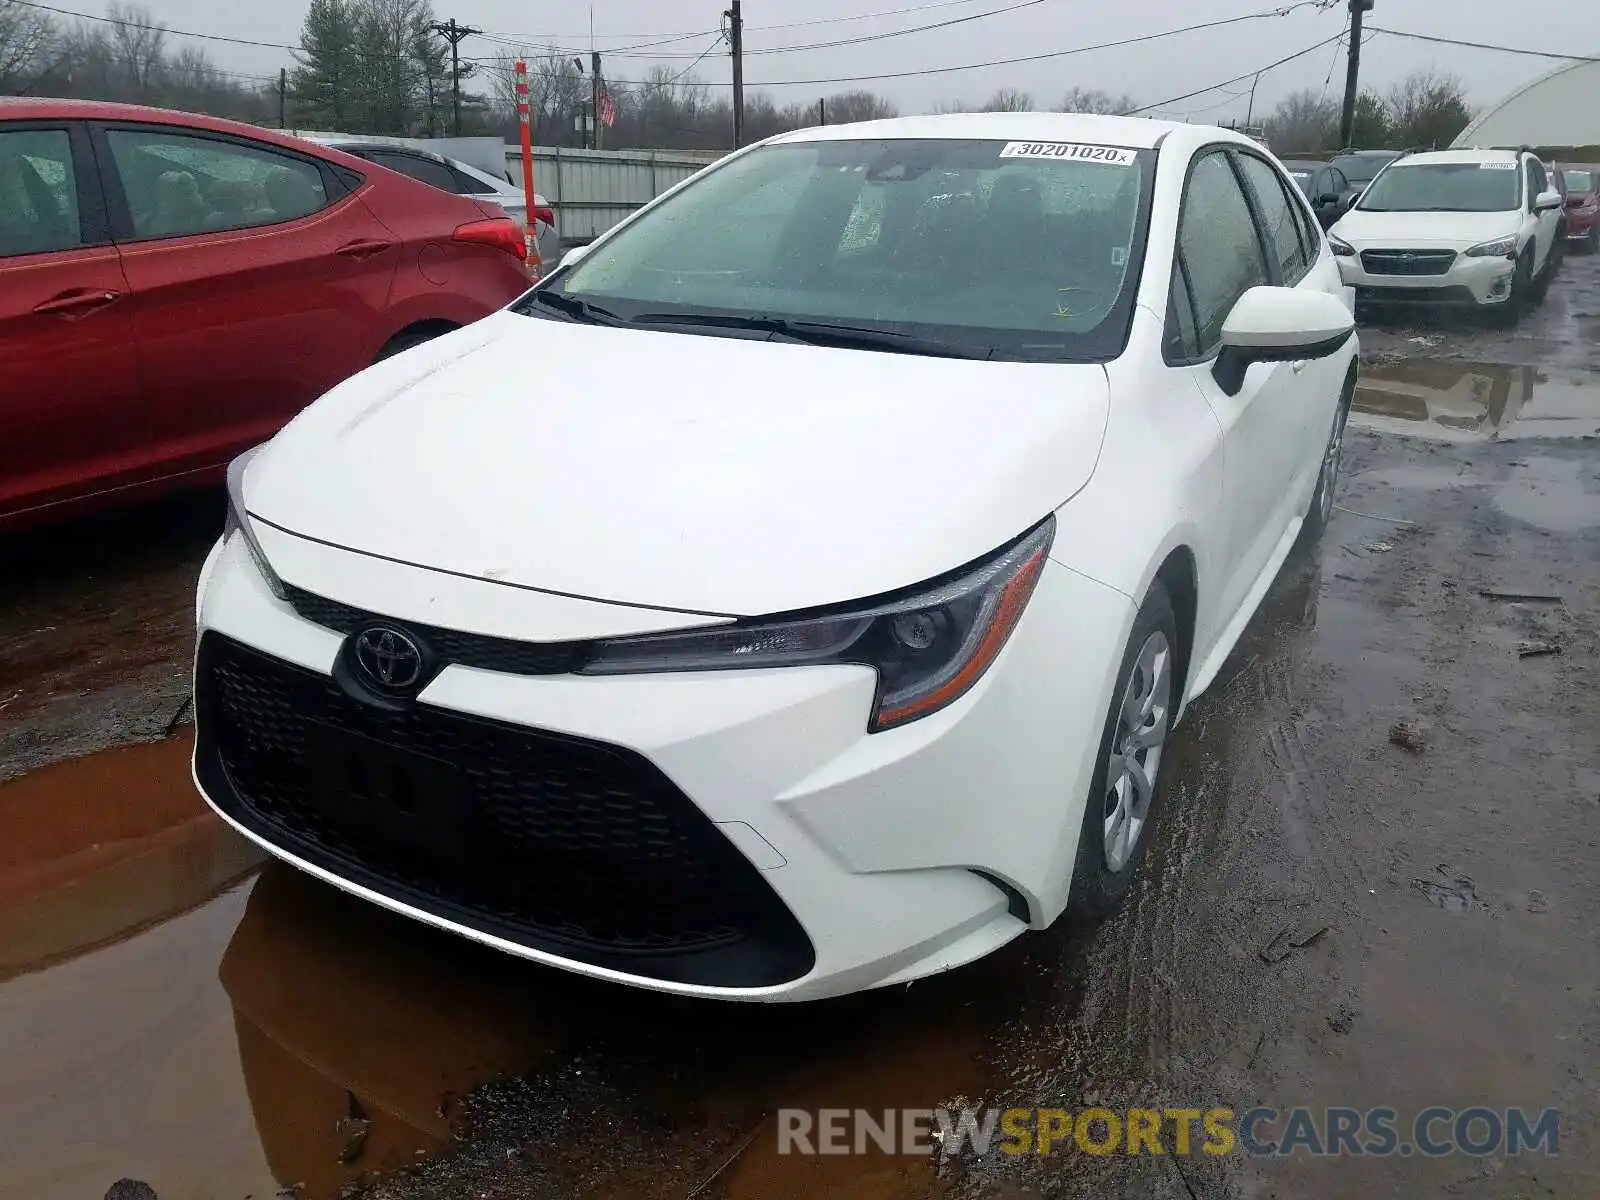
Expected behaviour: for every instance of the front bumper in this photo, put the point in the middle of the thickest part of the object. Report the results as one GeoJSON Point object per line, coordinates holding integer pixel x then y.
{"type": "Point", "coordinates": [850, 860]}
{"type": "Point", "coordinates": [1580, 225]}
{"type": "Point", "coordinates": [1483, 282]}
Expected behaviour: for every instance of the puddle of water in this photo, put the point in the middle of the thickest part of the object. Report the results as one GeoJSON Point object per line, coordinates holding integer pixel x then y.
{"type": "Point", "coordinates": [1469, 401]}
{"type": "Point", "coordinates": [1550, 493]}
{"type": "Point", "coordinates": [116, 1058]}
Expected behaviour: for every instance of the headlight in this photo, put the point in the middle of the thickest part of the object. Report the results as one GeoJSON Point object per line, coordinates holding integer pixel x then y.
{"type": "Point", "coordinates": [928, 648]}
{"type": "Point", "coordinates": [1505, 247]}
{"type": "Point", "coordinates": [1341, 247]}
{"type": "Point", "coordinates": [238, 523]}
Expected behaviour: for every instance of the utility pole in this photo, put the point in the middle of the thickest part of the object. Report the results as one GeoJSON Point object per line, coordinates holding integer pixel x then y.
{"type": "Point", "coordinates": [594, 95]}
{"type": "Point", "coordinates": [455, 34]}
{"type": "Point", "coordinates": [822, 111]}
{"type": "Point", "coordinates": [1352, 79]}
{"type": "Point", "coordinates": [283, 97]}
{"type": "Point", "coordinates": [736, 44]}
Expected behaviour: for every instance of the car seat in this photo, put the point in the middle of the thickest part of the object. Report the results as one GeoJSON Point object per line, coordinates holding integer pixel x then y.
{"type": "Point", "coordinates": [290, 194]}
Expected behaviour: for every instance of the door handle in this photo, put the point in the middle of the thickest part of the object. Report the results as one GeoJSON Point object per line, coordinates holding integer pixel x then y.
{"type": "Point", "coordinates": [78, 302]}
{"type": "Point", "coordinates": [364, 248]}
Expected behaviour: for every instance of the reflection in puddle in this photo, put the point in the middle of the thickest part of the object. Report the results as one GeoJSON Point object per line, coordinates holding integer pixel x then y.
{"type": "Point", "coordinates": [116, 1059]}
{"type": "Point", "coordinates": [94, 850]}
{"type": "Point", "coordinates": [1467, 401]}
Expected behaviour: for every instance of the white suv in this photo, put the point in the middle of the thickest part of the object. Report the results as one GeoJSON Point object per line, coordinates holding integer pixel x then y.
{"type": "Point", "coordinates": [1468, 227]}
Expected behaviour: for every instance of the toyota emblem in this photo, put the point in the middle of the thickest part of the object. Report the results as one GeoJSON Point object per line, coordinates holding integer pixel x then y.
{"type": "Point", "coordinates": [388, 658]}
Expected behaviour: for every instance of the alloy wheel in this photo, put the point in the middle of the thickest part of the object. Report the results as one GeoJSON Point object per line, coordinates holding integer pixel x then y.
{"type": "Point", "coordinates": [1330, 468]}
{"type": "Point", "coordinates": [1143, 720]}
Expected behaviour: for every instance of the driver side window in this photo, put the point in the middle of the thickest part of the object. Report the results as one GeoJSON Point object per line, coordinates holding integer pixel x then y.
{"type": "Point", "coordinates": [1219, 247]}
{"type": "Point", "coordinates": [1538, 182]}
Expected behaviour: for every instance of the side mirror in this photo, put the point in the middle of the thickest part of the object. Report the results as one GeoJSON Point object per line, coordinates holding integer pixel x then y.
{"type": "Point", "coordinates": [1276, 324]}
{"type": "Point", "coordinates": [572, 256]}
{"type": "Point", "coordinates": [1547, 201]}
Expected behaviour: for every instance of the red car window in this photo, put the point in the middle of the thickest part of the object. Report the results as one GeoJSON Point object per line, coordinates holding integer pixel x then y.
{"type": "Point", "coordinates": [178, 185]}
{"type": "Point", "coordinates": [38, 193]}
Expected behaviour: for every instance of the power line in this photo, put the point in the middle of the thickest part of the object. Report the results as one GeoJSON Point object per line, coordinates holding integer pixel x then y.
{"type": "Point", "coordinates": [720, 38]}
{"type": "Point", "coordinates": [894, 33]}
{"type": "Point", "coordinates": [1239, 78]}
{"type": "Point", "coordinates": [1444, 41]}
{"type": "Point", "coordinates": [1054, 54]}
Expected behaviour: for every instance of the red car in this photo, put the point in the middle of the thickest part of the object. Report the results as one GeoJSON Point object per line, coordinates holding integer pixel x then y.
{"type": "Point", "coordinates": [173, 288]}
{"type": "Point", "coordinates": [1582, 187]}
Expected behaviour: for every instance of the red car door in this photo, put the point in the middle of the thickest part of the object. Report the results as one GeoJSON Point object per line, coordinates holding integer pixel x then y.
{"type": "Point", "coordinates": [259, 280]}
{"type": "Point", "coordinates": [69, 419]}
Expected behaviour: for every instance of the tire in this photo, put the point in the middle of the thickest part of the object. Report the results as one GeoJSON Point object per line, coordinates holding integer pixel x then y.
{"type": "Point", "coordinates": [1323, 495]}
{"type": "Point", "coordinates": [1541, 285]}
{"type": "Point", "coordinates": [1593, 244]}
{"type": "Point", "coordinates": [1147, 691]}
{"type": "Point", "coordinates": [1511, 311]}
{"type": "Point", "coordinates": [406, 339]}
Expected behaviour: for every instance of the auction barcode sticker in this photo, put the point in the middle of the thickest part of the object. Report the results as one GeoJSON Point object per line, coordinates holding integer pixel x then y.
{"type": "Point", "coordinates": [1497, 166]}
{"type": "Point", "coordinates": [1116, 156]}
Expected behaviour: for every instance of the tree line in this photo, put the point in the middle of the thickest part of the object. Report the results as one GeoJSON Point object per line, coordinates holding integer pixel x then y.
{"type": "Point", "coordinates": [379, 67]}
{"type": "Point", "coordinates": [128, 58]}
{"type": "Point", "coordinates": [1426, 110]}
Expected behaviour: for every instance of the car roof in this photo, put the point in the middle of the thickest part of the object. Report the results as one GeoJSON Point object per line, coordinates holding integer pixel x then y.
{"type": "Point", "coordinates": [39, 108]}
{"type": "Point", "coordinates": [1438, 157]}
{"type": "Point", "coordinates": [1303, 164]}
{"type": "Point", "coordinates": [1140, 133]}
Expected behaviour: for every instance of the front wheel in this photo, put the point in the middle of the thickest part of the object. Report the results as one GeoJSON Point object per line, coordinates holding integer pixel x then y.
{"type": "Point", "coordinates": [1321, 510]}
{"type": "Point", "coordinates": [1127, 778]}
{"type": "Point", "coordinates": [1541, 285]}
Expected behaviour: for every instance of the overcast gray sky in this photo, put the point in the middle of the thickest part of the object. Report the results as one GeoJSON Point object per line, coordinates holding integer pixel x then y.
{"type": "Point", "coordinates": [1151, 72]}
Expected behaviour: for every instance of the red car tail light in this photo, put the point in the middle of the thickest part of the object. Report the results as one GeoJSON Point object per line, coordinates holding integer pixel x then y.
{"type": "Point", "coordinates": [547, 215]}
{"type": "Point", "coordinates": [501, 233]}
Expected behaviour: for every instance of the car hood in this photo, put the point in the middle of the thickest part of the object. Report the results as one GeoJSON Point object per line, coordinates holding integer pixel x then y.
{"type": "Point", "coordinates": [706, 474]}
{"type": "Point", "coordinates": [1366, 230]}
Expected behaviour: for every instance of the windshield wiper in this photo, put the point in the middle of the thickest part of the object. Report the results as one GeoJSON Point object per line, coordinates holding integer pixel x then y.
{"type": "Point", "coordinates": [821, 333]}
{"type": "Point", "coordinates": [571, 306]}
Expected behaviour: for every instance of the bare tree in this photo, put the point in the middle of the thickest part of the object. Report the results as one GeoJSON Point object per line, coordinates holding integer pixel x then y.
{"type": "Point", "coordinates": [859, 106]}
{"type": "Point", "coordinates": [1428, 109]}
{"type": "Point", "coordinates": [1009, 100]}
{"type": "Point", "coordinates": [25, 36]}
{"type": "Point", "coordinates": [1092, 100]}
{"type": "Point", "coordinates": [138, 44]}
{"type": "Point", "coordinates": [1305, 123]}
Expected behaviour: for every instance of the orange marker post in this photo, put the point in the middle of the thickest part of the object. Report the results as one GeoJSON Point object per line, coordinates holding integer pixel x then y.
{"type": "Point", "coordinates": [530, 229]}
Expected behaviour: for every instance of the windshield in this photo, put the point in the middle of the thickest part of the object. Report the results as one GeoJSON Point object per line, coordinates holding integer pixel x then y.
{"type": "Point", "coordinates": [1001, 249]}
{"type": "Point", "coordinates": [1362, 168]}
{"type": "Point", "coordinates": [1579, 181]}
{"type": "Point", "coordinates": [1446, 187]}
{"type": "Point", "coordinates": [1303, 178]}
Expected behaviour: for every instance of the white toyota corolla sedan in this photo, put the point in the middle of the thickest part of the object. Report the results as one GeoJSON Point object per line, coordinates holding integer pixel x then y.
{"type": "Point", "coordinates": [815, 616]}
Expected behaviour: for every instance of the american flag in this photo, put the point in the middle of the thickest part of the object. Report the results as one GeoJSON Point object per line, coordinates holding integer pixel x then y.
{"type": "Point", "coordinates": [608, 110]}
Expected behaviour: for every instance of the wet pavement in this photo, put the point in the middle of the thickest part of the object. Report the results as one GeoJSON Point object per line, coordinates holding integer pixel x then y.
{"type": "Point", "coordinates": [1372, 882]}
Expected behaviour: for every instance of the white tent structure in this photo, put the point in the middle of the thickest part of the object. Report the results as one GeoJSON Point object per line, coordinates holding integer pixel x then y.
{"type": "Point", "coordinates": [1558, 109]}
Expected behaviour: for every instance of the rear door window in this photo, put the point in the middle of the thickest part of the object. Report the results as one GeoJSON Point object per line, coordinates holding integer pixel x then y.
{"type": "Point", "coordinates": [1285, 238]}
{"type": "Point", "coordinates": [178, 185]}
{"type": "Point", "coordinates": [38, 193]}
{"type": "Point", "coordinates": [424, 170]}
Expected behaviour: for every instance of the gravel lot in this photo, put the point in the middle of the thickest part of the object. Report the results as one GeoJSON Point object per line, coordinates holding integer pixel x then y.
{"type": "Point", "coordinates": [1381, 774]}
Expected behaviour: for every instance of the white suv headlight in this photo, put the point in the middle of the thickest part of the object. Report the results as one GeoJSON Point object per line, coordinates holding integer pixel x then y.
{"type": "Point", "coordinates": [1505, 247]}
{"type": "Point", "coordinates": [1340, 247]}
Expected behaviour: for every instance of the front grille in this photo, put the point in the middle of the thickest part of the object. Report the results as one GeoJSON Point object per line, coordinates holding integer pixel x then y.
{"type": "Point", "coordinates": [449, 645]}
{"type": "Point", "coordinates": [1415, 295]}
{"type": "Point", "coordinates": [1408, 262]}
{"type": "Point", "coordinates": [579, 848]}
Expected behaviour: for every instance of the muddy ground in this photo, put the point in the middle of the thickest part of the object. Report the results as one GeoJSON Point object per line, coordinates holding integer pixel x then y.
{"type": "Point", "coordinates": [1379, 761]}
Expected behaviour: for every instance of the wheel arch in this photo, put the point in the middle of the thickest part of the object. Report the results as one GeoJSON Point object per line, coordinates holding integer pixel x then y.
{"type": "Point", "coordinates": [1179, 575]}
